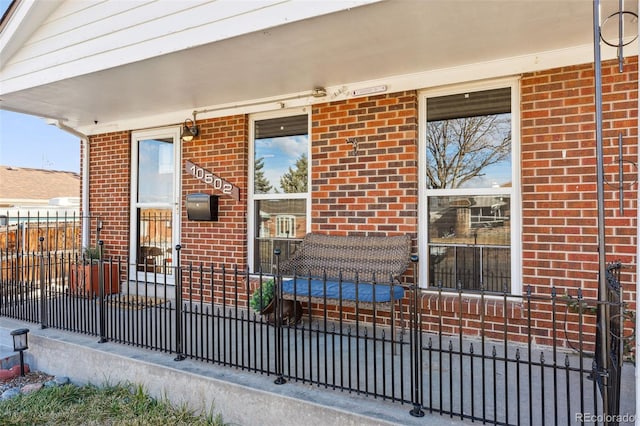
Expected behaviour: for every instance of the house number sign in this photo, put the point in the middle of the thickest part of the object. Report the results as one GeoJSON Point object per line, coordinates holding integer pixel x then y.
{"type": "Point", "coordinates": [210, 179]}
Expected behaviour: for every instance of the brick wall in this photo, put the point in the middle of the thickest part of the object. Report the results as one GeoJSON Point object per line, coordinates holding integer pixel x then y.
{"type": "Point", "coordinates": [559, 174]}
{"type": "Point", "coordinates": [110, 186]}
{"type": "Point", "coordinates": [559, 184]}
{"type": "Point", "coordinates": [222, 149]}
{"type": "Point", "coordinates": [374, 190]}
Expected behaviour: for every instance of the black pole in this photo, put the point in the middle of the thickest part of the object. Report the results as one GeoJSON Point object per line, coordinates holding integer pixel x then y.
{"type": "Point", "coordinates": [416, 346]}
{"type": "Point", "coordinates": [179, 355]}
{"type": "Point", "coordinates": [22, 363]}
{"type": "Point", "coordinates": [603, 309]}
{"type": "Point", "coordinates": [280, 380]}
{"type": "Point", "coordinates": [101, 302]}
{"type": "Point", "coordinates": [43, 287]}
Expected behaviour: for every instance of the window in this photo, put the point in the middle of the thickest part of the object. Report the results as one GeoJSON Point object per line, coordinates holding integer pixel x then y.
{"type": "Point", "coordinates": [285, 225]}
{"type": "Point", "coordinates": [468, 201]}
{"type": "Point", "coordinates": [279, 201]}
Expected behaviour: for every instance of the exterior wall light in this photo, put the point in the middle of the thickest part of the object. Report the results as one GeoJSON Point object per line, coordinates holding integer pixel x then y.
{"type": "Point", "coordinates": [189, 129]}
{"type": "Point", "coordinates": [20, 344]}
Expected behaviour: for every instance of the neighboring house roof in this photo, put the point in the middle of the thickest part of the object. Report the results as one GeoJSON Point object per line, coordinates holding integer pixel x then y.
{"type": "Point", "coordinates": [36, 186]}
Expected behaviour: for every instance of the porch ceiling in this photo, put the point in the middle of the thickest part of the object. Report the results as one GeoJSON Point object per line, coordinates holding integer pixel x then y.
{"type": "Point", "coordinates": [364, 43]}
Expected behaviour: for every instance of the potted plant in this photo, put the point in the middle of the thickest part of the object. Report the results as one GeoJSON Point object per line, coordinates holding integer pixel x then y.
{"type": "Point", "coordinates": [84, 275]}
{"type": "Point", "coordinates": [262, 299]}
{"type": "Point", "coordinates": [90, 254]}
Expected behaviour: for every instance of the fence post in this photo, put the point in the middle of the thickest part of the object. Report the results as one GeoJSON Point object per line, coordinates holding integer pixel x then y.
{"type": "Point", "coordinates": [416, 344]}
{"type": "Point", "coordinates": [179, 355]}
{"type": "Point", "coordinates": [43, 287]}
{"type": "Point", "coordinates": [103, 315]}
{"type": "Point", "coordinates": [278, 323]}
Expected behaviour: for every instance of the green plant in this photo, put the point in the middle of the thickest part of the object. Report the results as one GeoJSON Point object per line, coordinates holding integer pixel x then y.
{"type": "Point", "coordinates": [119, 404]}
{"type": "Point", "coordinates": [91, 253]}
{"type": "Point", "coordinates": [578, 305]}
{"type": "Point", "coordinates": [629, 340]}
{"type": "Point", "coordinates": [262, 296]}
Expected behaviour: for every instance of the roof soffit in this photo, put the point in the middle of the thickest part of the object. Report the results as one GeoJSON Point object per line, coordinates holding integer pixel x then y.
{"type": "Point", "coordinates": [368, 43]}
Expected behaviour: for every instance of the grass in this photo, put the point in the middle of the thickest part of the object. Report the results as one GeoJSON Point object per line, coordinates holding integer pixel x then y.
{"type": "Point", "coordinates": [121, 404]}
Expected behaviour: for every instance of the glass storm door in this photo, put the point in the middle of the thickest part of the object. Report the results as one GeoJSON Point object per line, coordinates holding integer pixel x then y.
{"type": "Point", "coordinates": [155, 205]}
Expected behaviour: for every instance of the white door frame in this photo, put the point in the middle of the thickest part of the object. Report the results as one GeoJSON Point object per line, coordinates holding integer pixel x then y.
{"type": "Point", "coordinates": [136, 136]}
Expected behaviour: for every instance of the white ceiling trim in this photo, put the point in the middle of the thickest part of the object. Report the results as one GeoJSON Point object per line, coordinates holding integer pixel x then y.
{"type": "Point", "coordinates": [429, 79]}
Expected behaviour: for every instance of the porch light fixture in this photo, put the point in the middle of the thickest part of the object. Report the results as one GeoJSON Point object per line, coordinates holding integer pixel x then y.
{"type": "Point", "coordinates": [20, 344]}
{"type": "Point", "coordinates": [189, 129]}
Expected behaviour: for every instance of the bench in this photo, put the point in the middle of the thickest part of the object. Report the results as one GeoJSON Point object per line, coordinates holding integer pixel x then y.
{"type": "Point", "coordinates": [352, 269]}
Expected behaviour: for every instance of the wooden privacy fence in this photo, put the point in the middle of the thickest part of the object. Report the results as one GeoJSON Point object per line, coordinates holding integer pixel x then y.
{"type": "Point", "coordinates": [25, 236]}
{"type": "Point", "coordinates": [22, 241]}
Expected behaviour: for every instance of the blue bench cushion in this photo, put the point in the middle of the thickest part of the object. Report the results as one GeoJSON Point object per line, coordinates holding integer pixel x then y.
{"type": "Point", "coordinates": [366, 292]}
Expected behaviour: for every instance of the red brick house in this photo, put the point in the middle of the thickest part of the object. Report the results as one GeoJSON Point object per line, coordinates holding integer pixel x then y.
{"type": "Point", "coordinates": [468, 125]}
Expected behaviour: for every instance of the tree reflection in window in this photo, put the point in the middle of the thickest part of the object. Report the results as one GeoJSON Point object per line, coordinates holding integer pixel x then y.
{"type": "Point", "coordinates": [468, 145]}
{"type": "Point", "coordinates": [280, 182]}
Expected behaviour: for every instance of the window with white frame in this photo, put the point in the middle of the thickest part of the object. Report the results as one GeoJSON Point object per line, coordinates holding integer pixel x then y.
{"type": "Point", "coordinates": [279, 195]}
{"type": "Point", "coordinates": [468, 201]}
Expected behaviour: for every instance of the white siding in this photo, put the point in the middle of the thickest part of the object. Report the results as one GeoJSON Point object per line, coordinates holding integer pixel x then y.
{"type": "Point", "coordinates": [90, 35]}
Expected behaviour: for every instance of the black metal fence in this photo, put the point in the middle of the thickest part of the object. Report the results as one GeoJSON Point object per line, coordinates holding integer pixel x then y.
{"type": "Point", "coordinates": [470, 355]}
{"type": "Point", "coordinates": [265, 259]}
{"type": "Point", "coordinates": [473, 266]}
{"type": "Point", "coordinates": [609, 367]}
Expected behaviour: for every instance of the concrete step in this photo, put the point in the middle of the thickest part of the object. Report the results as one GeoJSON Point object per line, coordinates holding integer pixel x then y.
{"type": "Point", "coordinates": [150, 290]}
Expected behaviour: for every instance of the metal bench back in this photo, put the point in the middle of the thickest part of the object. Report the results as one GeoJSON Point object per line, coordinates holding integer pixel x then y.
{"type": "Point", "coordinates": [379, 258]}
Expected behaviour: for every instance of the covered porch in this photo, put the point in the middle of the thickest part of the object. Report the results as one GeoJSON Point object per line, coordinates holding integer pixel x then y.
{"type": "Point", "coordinates": [323, 117]}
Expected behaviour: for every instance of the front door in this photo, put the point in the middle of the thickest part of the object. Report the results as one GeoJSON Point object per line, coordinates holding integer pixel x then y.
{"type": "Point", "coordinates": [155, 205]}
